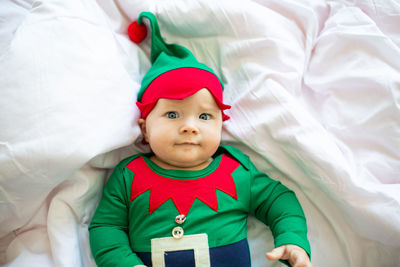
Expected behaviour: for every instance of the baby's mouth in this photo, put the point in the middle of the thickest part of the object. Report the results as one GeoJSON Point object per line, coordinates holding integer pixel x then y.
{"type": "Point", "coordinates": [188, 143]}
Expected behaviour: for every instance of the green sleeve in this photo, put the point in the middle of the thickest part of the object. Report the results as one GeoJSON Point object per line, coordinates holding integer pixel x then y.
{"type": "Point", "coordinates": [278, 207]}
{"type": "Point", "coordinates": [108, 230]}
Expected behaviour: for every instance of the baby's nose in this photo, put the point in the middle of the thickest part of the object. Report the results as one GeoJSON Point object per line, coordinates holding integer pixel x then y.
{"type": "Point", "coordinates": [189, 128]}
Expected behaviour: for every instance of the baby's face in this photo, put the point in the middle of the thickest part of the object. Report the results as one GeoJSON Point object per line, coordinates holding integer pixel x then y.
{"type": "Point", "coordinates": [184, 134]}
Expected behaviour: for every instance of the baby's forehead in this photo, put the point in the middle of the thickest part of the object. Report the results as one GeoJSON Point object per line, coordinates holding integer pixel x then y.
{"type": "Point", "coordinates": [202, 99]}
{"type": "Point", "coordinates": [165, 102]}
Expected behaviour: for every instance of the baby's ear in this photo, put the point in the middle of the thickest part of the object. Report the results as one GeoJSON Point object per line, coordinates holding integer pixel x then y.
{"type": "Point", "coordinates": [142, 125]}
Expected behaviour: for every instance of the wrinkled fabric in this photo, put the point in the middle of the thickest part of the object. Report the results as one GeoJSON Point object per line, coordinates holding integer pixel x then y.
{"type": "Point", "coordinates": [315, 94]}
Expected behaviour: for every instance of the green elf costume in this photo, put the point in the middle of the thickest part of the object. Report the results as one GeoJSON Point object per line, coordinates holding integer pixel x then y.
{"type": "Point", "coordinates": [157, 217]}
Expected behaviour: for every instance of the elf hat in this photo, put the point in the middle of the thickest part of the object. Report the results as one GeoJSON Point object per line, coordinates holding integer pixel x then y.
{"type": "Point", "coordinates": [175, 73]}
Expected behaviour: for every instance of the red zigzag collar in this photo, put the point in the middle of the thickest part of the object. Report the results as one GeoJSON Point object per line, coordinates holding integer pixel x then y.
{"type": "Point", "coordinates": [183, 192]}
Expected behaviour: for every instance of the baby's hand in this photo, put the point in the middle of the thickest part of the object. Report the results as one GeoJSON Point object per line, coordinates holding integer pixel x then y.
{"type": "Point", "coordinates": [296, 256]}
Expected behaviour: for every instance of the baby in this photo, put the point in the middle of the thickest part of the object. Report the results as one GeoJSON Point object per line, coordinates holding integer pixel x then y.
{"type": "Point", "coordinates": [186, 202]}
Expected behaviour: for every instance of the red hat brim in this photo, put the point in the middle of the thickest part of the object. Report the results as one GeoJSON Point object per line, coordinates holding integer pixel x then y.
{"type": "Point", "coordinates": [179, 84]}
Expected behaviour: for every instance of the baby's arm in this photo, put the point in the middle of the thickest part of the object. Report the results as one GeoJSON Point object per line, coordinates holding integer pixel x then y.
{"type": "Point", "coordinates": [278, 207]}
{"type": "Point", "coordinates": [295, 255]}
{"type": "Point", "coordinates": [108, 230]}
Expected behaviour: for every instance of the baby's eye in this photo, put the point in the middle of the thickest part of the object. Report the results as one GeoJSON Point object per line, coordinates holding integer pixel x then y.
{"type": "Point", "coordinates": [172, 115]}
{"type": "Point", "coordinates": [204, 116]}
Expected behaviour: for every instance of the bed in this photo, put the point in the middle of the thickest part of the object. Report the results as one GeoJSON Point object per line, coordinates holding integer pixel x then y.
{"type": "Point", "coordinates": [315, 93]}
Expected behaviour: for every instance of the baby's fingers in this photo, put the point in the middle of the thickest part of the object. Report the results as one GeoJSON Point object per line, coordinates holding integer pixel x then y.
{"type": "Point", "coordinates": [276, 253]}
{"type": "Point", "coordinates": [299, 259]}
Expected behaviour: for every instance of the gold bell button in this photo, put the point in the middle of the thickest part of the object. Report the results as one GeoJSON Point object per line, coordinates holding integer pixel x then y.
{"type": "Point", "coordinates": [177, 232]}
{"type": "Point", "coordinates": [180, 219]}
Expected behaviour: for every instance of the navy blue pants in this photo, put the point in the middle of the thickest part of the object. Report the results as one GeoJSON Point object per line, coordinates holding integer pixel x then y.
{"type": "Point", "coordinates": [234, 255]}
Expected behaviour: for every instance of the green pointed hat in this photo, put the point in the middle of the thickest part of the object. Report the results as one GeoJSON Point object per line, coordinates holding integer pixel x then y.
{"type": "Point", "coordinates": [175, 72]}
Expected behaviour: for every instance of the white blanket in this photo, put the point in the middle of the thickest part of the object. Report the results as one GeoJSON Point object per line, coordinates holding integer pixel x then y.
{"type": "Point", "coordinates": [315, 93]}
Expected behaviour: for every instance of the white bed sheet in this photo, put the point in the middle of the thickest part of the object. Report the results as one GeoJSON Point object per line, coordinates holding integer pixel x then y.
{"type": "Point", "coordinates": [315, 94]}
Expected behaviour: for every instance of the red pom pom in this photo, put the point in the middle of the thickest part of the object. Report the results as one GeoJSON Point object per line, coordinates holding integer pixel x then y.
{"type": "Point", "coordinates": [136, 32]}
